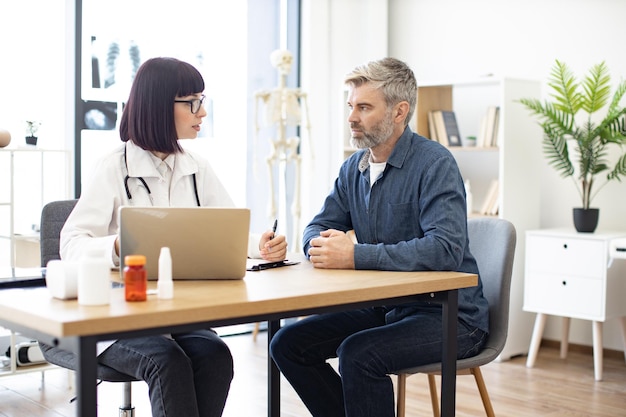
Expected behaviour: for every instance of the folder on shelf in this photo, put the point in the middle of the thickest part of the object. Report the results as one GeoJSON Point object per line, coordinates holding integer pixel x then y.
{"type": "Point", "coordinates": [451, 127]}
{"type": "Point", "coordinates": [445, 126]}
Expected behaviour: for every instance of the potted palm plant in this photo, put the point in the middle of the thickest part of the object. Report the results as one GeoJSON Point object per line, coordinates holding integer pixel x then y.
{"type": "Point", "coordinates": [576, 142]}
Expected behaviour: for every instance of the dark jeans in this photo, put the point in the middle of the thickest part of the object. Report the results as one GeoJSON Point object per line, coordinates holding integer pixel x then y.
{"type": "Point", "coordinates": [189, 376]}
{"type": "Point", "coordinates": [369, 349]}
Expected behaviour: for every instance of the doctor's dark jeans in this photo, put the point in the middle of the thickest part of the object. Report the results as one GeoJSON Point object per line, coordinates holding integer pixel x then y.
{"type": "Point", "coordinates": [188, 376]}
{"type": "Point", "coordinates": [368, 349]}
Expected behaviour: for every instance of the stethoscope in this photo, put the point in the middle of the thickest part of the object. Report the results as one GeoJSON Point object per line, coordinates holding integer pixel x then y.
{"type": "Point", "coordinates": [130, 197]}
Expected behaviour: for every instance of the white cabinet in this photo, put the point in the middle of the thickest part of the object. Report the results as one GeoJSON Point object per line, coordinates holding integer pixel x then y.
{"type": "Point", "coordinates": [29, 178]}
{"type": "Point", "coordinates": [570, 274]}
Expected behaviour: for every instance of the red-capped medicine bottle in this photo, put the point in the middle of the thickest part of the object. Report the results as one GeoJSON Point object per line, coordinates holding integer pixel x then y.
{"type": "Point", "coordinates": [135, 278]}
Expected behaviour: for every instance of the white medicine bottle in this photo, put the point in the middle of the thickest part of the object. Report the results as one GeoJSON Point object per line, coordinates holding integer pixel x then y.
{"type": "Point", "coordinates": [94, 278]}
{"type": "Point", "coordinates": [165, 285]}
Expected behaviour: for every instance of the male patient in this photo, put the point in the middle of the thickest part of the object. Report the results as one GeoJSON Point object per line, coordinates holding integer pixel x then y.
{"type": "Point", "coordinates": [403, 196]}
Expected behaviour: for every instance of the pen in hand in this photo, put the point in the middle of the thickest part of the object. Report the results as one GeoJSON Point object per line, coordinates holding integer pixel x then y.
{"type": "Point", "coordinates": [274, 228]}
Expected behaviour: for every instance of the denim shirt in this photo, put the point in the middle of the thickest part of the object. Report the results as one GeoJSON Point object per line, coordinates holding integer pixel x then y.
{"type": "Point", "coordinates": [413, 218]}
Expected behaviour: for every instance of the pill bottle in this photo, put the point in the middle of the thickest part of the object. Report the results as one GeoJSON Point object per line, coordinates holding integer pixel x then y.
{"type": "Point", "coordinates": [94, 279]}
{"type": "Point", "coordinates": [135, 278]}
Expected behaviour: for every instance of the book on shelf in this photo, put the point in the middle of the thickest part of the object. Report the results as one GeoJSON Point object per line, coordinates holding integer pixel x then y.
{"type": "Point", "coordinates": [496, 126]}
{"type": "Point", "coordinates": [446, 127]}
{"type": "Point", "coordinates": [480, 139]}
{"type": "Point", "coordinates": [432, 128]}
{"type": "Point", "coordinates": [491, 202]}
{"type": "Point", "coordinates": [495, 207]}
{"type": "Point", "coordinates": [439, 127]}
{"type": "Point", "coordinates": [452, 128]}
{"type": "Point", "coordinates": [489, 128]}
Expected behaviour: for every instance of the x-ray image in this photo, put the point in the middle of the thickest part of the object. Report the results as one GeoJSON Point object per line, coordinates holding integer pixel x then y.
{"type": "Point", "coordinates": [99, 115]}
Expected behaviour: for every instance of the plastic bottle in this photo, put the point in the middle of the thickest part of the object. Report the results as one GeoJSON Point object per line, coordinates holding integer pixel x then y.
{"type": "Point", "coordinates": [94, 279]}
{"type": "Point", "coordinates": [165, 285]}
{"type": "Point", "coordinates": [135, 278]}
{"type": "Point", "coordinates": [468, 197]}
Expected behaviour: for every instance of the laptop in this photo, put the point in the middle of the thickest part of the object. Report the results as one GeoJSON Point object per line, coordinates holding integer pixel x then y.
{"type": "Point", "coordinates": [205, 242]}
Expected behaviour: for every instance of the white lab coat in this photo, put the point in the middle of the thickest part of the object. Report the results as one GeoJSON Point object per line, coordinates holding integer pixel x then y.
{"type": "Point", "coordinates": [94, 224]}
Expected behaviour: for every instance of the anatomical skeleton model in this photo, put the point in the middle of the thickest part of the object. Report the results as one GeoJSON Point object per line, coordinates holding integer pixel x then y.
{"type": "Point", "coordinates": [283, 108]}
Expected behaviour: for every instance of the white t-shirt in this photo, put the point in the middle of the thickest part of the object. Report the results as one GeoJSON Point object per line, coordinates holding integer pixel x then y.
{"type": "Point", "coordinates": [376, 168]}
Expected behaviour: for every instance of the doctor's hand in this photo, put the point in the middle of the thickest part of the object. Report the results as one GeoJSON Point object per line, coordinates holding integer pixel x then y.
{"type": "Point", "coordinates": [273, 247]}
{"type": "Point", "coordinates": [334, 249]}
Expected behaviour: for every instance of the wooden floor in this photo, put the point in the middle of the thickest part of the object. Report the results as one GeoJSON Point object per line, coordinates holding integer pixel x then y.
{"type": "Point", "coordinates": [554, 388]}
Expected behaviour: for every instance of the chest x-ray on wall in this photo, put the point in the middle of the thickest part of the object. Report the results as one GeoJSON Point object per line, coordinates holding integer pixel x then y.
{"type": "Point", "coordinates": [117, 37]}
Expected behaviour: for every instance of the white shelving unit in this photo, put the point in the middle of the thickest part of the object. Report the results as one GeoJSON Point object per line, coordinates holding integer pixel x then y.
{"type": "Point", "coordinates": [43, 176]}
{"type": "Point", "coordinates": [29, 178]}
{"type": "Point", "coordinates": [513, 163]}
{"type": "Point", "coordinates": [13, 368]}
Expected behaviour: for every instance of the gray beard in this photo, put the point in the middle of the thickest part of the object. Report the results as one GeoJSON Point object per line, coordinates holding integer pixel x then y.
{"type": "Point", "coordinates": [378, 134]}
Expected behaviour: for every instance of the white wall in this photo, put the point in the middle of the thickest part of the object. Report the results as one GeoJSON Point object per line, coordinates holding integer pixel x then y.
{"type": "Point", "coordinates": [459, 39]}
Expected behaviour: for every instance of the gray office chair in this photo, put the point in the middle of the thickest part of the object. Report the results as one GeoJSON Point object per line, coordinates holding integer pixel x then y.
{"type": "Point", "coordinates": [53, 216]}
{"type": "Point", "coordinates": [492, 242]}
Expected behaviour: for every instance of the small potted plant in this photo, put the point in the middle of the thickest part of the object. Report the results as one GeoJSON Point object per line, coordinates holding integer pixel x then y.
{"type": "Point", "coordinates": [575, 141]}
{"type": "Point", "coordinates": [32, 126]}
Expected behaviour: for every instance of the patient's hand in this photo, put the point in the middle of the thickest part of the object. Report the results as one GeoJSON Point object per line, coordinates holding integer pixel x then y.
{"type": "Point", "coordinates": [334, 249]}
{"type": "Point", "coordinates": [273, 247]}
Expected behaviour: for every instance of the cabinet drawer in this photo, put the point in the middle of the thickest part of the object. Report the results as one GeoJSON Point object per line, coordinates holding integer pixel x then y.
{"type": "Point", "coordinates": [564, 296]}
{"type": "Point", "coordinates": [566, 256]}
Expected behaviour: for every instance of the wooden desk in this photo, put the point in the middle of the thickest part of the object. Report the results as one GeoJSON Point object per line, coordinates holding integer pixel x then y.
{"type": "Point", "coordinates": [266, 295]}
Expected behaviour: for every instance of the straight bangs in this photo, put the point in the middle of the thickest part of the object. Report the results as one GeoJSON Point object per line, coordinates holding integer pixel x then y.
{"type": "Point", "coordinates": [148, 117]}
{"type": "Point", "coordinates": [190, 80]}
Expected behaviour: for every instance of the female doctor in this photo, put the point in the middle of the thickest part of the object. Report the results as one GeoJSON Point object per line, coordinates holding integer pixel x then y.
{"type": "Point", "coordinates": [188, 374]}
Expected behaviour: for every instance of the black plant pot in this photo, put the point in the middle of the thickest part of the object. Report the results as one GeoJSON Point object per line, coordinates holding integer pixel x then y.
{"type": "Point", "coordinates": [31, 140]}
{"type": "Point", "coordinates": [586, 220]}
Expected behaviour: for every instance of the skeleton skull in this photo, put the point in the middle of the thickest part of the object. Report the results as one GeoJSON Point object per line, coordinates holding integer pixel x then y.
{"type": "Point", "coordinates": [281, 59]}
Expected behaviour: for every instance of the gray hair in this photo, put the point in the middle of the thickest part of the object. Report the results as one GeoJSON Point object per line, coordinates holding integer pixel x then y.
{"type": "Point", "coordinates": [393, 76]}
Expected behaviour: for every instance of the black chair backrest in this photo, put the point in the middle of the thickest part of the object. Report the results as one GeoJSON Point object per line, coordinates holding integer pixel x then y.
{"type": "Point", "coordinates": [53, 217]}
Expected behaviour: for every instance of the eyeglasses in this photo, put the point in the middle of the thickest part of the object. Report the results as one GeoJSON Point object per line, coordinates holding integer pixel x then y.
{"type": "Point", "coordinates": [194, 104]}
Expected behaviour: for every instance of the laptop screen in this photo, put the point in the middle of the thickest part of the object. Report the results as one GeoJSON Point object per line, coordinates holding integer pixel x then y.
{"type": "Point", "coordinates": [205, 242]}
